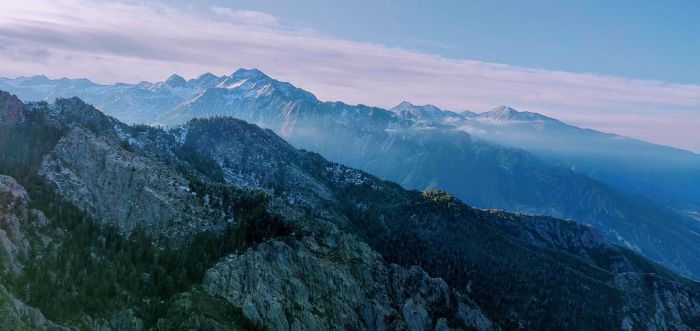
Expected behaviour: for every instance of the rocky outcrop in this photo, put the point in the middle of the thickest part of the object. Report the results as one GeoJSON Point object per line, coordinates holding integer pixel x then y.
{"type": "Point", "coordinates": [255, 159]}
{"type": "Point", "coordinates": [548, 232]}
{"type": "Point", "coordinates": [11, 108]}
{"type": "Point", "coordinates": [336, 283]}
{"type": "Point", "coordinates": [13, 211]}
{"type": "Point", "coordinates": [674, 307]}
{"type": "Point", "coordinates": [424, 147]}
{"type": "Point", "coordinates": [325, 270]}
{"type": "Point", "coordinates": [123, 189]}
{"type": "Point", "coordinates": [447, 240]}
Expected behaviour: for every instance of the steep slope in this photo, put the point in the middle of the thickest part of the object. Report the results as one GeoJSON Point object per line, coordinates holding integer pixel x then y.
{"type": "Point", "coordinates": [423, 147]}
{"type": "Point", "coordinates": [449, 239]}
{"type": "Point", "coordinates": [669, 175]}
{"type": "Point", "coordinates": [426, 115]}
{"type": "Point", "coordinates": [135, 103]}
{"type": "Point", "coordinates": [406, 146]}
{"type": "Point", "coordinates": [141, 192]}
{"type": "Point", "coordinates": [37, 88]}
{"type": "Point", "coordinates": [658, 172]}
{"type": "Point", "coordinates": [14, 216]}
{"type": "Point", "coordinates": [226, 138]}
{"type": "Point", "coordinates": [138, 270]}
{"type": "Point", "coordinates": [532, 272]}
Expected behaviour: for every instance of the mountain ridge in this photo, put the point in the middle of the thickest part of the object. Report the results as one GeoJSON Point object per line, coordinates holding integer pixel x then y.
{"type": "Point", "coordinates": [470, 164]}
{"type": "Point", "coordinates": [334, 220]}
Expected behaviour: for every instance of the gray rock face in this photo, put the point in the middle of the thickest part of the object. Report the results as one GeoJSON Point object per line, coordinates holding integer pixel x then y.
{"type": "Point", "coordinates": [318, 275]}
{"type": "Point", "coordinates": [123, 189]}
{"type": "Point", "coordinates": [13, 211]}
{"type": "Point", "coordinates": [675, 308]}
{"type": "Point", "coordinates": [317, 283]}
{"type": "Point", "coordinates": [255, 156]}
{"type": "Point", "coordinates": [440, 153]}
{"type": "Point", "coordinates": [547, 232]}
{"type": "Point", "coordinates": [422, 147]}
{"type": "Point", "coordinates": [12, 109]}
{"type": "Point", "coordinates": [336, 283]}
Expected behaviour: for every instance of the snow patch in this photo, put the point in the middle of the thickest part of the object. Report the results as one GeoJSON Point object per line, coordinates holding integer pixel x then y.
{"type": "Point", "coordinates": [122, 135]}
{"type": "Point", "coordinates": [233, 85]}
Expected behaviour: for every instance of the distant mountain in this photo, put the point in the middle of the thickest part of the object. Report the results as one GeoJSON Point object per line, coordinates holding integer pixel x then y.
{"type": "Point", "coordinates": [137, 103]}
{"type": "Point", "coordinates": [219, 224]}
{"type": "Point", "coordinates": [669, 175]}
{"type": "Point", "coordinates": [423, 147]}
{"type": "Point", "coordinates": [426, 115]}
{"type": "Point", "coordinates": [507, 114]}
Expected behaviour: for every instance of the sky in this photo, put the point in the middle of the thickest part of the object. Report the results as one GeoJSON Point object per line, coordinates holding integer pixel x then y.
{"type": "Point", "coordinates": [626, 67]}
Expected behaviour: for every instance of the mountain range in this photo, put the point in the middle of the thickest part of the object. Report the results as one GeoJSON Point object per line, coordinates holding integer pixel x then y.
{"type": "Point", "coordinates": [643, 196]}
{"type": "Point", "coordinates": [219, 224]}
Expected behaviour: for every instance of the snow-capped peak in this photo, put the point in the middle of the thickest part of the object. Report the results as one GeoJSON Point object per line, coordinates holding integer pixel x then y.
{"type": "Point", "coordinates": [176, 81]}
{"type": "Point", "coordinates": [206, 80]}
{"type": "Point", "coordinates": [259, 84]}
{"type": "Point", "coordinates": [426, 114]}
{"type": "Point", "coordinates": [500, 113]}
{"type": "Point", "coordinates": [249, 74]}
{"type": "Point", "coordinates": [407, 106]}
{"type": "Point", "coordinates": [403, 105]}
{"type": "Point", "coordinates": [231, 83]}
{"type": "Point", "coordinates": [505, 113]}
{"type": "Point", "coordinates": [206, 76]}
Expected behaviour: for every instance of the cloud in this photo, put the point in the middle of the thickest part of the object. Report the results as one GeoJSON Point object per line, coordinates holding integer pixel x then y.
{"type": "Point", "coordinates": [246, 16]}
{"type": "Point", "coordinates": [23, 55]}
{"type": "Point", "coordinates": [130, 42]}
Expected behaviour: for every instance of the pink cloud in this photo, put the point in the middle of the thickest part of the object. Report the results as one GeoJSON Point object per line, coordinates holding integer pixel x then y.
{"type": "Point", "coordinates": [109, 42]}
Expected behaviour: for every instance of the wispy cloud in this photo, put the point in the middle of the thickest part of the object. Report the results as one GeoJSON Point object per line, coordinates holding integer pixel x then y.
{"type": "Point", "coordinates": [119, 41]}
{"type": "Point", "coordinates": [246, 16]}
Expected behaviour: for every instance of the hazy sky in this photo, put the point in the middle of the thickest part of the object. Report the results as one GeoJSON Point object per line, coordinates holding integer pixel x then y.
{"type": "Point", "coordinates": [628, 67]}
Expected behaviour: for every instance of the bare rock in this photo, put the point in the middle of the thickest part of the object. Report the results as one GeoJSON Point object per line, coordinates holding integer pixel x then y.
{"type": "Point", "coordinates": [340, 284]}
{"type": "Point", "coordinates": [123, 189]}
{"type": "Point", "coordinates": [13, 212]}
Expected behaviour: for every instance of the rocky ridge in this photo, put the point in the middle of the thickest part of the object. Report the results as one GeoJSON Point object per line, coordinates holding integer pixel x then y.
{"type": "Point", "coordinates": [337, 284]}
{"type": "Point", "coordinates": [348, 227]}
{"type": "Point", "coordinates": [116, 184]}
{"type": "Point", "coordinates": [128, 190]}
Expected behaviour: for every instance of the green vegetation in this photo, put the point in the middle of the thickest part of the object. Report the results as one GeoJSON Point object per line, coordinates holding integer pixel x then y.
{"type": "Point", "coordinates": [92, 270]}
{"type": "Point", "coordinates": [199, 164]}
{"type": "Point", "coordinates": [251, 222]}
{"type": "Point", "coordinates": [518, 285]}
{"type": "Point", "coordinates": [22, 146]}
{"type": "Point", "coordinates": [439, 197]}
{"type": "Point", "coordinates": [77, 267]}
{"type": "Point", "coordinates": [195, 310]}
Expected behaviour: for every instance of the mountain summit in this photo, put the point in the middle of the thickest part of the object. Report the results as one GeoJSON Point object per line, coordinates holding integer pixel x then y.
{"type": "Point", "coordinates": [505, 113]}
{"type": "Point", "coordinates": [176, 81]}
{"type": "Point", "coordinates": [425, 114]}
{"type": "Point", "coordinates": [219, 224]}
{"type": "Point", "coordinates": [250, 73]}
{"type": "Point", "coordinates": [501, 159]}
